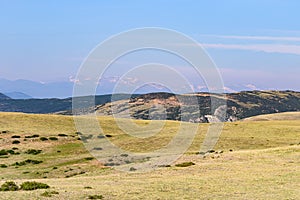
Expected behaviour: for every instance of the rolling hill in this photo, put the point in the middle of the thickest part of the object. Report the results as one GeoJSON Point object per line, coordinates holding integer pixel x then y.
{"type": "Point", "coordinates": [274, 117]}
{"type": "Point", "coordinates": [167, 106]}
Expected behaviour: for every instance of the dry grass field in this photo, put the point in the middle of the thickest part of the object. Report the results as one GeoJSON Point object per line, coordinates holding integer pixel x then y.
{"type": "Point", "coordinates": [253, 160]}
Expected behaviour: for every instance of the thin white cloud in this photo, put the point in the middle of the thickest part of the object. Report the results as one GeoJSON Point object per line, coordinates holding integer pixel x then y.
{"type": "Point", "coordinates": [265, 38]}
{"type": "Point", "coordinates": [268, 48]}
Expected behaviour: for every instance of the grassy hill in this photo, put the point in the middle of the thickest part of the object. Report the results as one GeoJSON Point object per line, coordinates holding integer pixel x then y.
{"type": "Point", "coordinates": [253, 160]}
{"type": "Point", "coordinates": [239, 105]}
{"type": "Point", "coordinates": [165, 105]}
{"type": "Point", "coordinates": [277, 116]}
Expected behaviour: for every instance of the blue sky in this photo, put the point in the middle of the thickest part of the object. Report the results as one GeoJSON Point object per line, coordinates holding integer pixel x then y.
{"type": "Point", "coordinates": [255, 43]}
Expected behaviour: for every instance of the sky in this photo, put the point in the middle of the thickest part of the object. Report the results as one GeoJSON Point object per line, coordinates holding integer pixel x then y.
{"type": "Point", "coordinates": [255, 43]}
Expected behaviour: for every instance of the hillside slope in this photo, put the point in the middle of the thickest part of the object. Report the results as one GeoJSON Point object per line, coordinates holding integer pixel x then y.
{"type": "Point", "coordinates": [239, 105]}
{"type": "Point", "coordinates": [167, 106]}
{"type": "Point", "coordinates": [275, 117]}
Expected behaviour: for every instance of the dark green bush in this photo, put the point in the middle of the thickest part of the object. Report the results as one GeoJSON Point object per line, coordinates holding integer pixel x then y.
{"type": "Point", "coordinates": [53, 138]}
{"type": "Point", "coordinates": [89, 158]}
{"type": "Point", "coordinates": [15, 136]}
{"type": "Point", "coordinates": [28, 161]}
{"type": "Point", "coordinates": [32, 136]}
{"type": "Point", "coordinates": [3, 166]}
{"type": "Point", "coordinates": [185, 164]}
{"type": "Point", "coordinates": [49, 193]}
{"type": "Point", "coordinates": [10, 151]}
{"type": "Point", "coordinates": [16, 142]}
{"type": "Point", "coordinates": [62, 135]}
{"type": "Point", "coordinates": [32, 185]}
{"type": "Point", "coordinates": [33, 151]}
{"type": "Point", "coordinates": [95, 197]}
{"type": "Point", "coordinates": [9, 186]}
{"type": "Point", "coordinates": [43, 138]}
{"type": "Point", "coordinates": [3, 152]}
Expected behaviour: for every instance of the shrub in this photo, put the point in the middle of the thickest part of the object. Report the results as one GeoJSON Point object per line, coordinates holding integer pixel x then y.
{"type": "Point", "coordinates": [89, 158]}
{"type": "Point", "coordinates": [53, 138]}
{"type": "Point", "coordinates": [185, 164]}
{"type": "Point", "coordinates": [3, 152]}
{"type": "Point", "coordinates": [10, 151]}
{"type": "Point", "coordinates": [132, 169]}
{"type": "Point", "coordinates": [95, 197]}
{"type": "Point", "coordinates": [3, 166]}
{"type": "Point", "coordinates": [28, 161]}
{"type": "Point", "coordinates": [35, 136]}
{"type": "Point", "coordinates": [97, 148]}
{"type": "Point", "coordinates": [49, 193]}
{"type": "Point", "coordinates": [16, 142]}
{"type": "Point", "coordinates": [33, 151]}
{"type": "Point", "coordinates": [43, 138]}
{"type": "Point", "coordinates": [78, 133]}
{"type": "Point", "coordinates": [32, 136]}
{"type": "Point", "coordinates": [62, 135]}
{"type": "Point", "coordinates": [15, 148]}
{"type": "Point", "coordinates": [9, 186]}
{"type": "Point", "coordinates": [15, 136]}
{"type": "Point", "coordinates": [33, 185]}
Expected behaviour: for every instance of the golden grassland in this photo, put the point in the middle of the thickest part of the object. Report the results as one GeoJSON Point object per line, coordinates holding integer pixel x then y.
{"type": "Point", "coordinates": [277, 116]}
{"type": "Point", "coordinates": [260, 160]}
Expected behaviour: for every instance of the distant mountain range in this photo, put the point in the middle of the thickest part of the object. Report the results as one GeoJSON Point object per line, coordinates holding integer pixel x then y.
{"type": "Point", "coordinates": [166, 105]}
{"type": "Point", "coordinates": [24, 89]}
{"type": "Point", "coordinates": [36, 89]}
{"type": "Point", "coordinates": [18, 95]}
{"type": "Point", "coordinates": [3, 97]}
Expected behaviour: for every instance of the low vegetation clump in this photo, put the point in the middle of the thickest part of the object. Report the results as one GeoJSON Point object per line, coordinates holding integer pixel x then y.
{"type": "Point", "coordinates": [43, 139]}
{"type": "Point", "coordinates": [49, 193]}
{"type": "Point", "coordinates": [28, 161]}
{"type": "Point", "coordinates": [32, 136]}
{"type": "Point", "coordinates": [3, 152]}
{"type": "Point", "coordinates": [32, 185]}
{"type": "Point", "coordinates": [62, 135]}
{"type": "Point", "coordinates": [33, 151]}
{"type": "Point", "coordinates": [53, 138]}
{"type": "Point", "coordinates": [185, 164]}
{"type": "Point", "coordinates": [4, 132]}
{"type": "Point", "coordinates": [15, 136]}
{"type": "Point", "coordinates": [16, 142]}
{"type": "Point", "coordinates": [95, 197]}
{"type": "Point", "coordinates": [3, 166]}
{"type": "Point", "coordinates": [12, 186]}
{"type": "Point", "coordinates": [9, 186]}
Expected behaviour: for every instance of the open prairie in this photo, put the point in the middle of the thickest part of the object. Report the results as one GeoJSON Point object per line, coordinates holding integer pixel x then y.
{"type": "Point", "coordinates": [252, 160]}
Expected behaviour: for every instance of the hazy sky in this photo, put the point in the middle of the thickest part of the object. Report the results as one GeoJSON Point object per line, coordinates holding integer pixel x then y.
{"type": "Point", "coordinates": [252, 42]}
